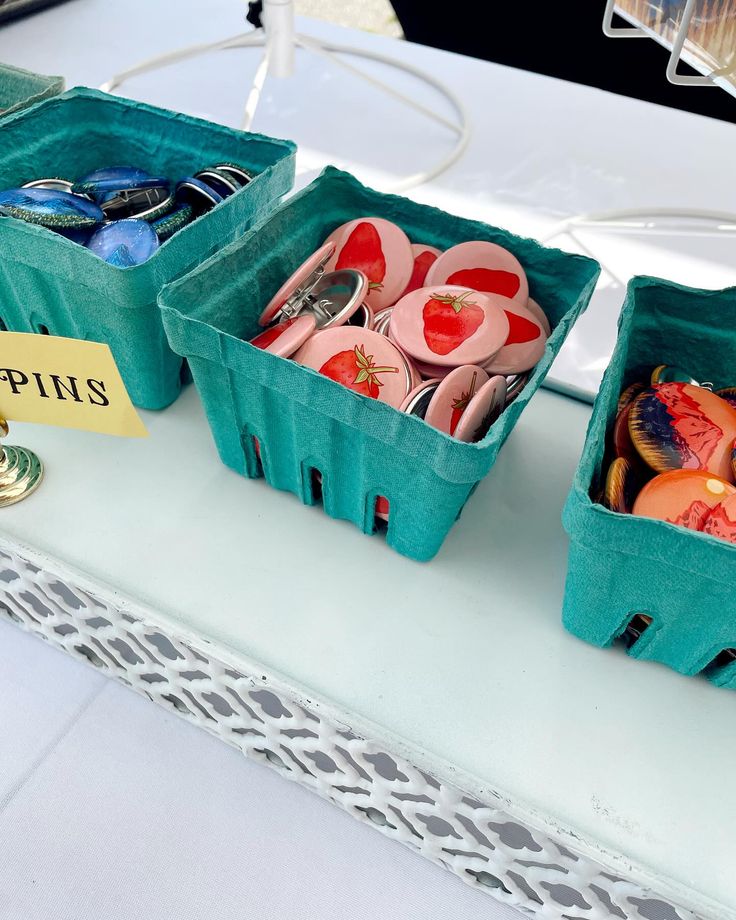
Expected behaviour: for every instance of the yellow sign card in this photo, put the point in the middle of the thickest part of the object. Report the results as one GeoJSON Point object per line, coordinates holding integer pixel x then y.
{"type": "Point", "coordinates": [56, 381]}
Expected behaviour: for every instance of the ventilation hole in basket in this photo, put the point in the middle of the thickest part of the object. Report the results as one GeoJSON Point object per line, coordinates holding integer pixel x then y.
{"type": "Point", "coordinates": [722, 660]}
{"type": "Point", "coordinates": [315, 486]}
{"type": "Point", "coordinates": [635, 629]}
{"type": "Point", "coordinates": [488, 880]}
{"type": "Point", "coordinates": [257, 458]}
{"type": "Point", "coordinates": [43, 330]}
{"type": "Point", "coordinates": [381, 511]}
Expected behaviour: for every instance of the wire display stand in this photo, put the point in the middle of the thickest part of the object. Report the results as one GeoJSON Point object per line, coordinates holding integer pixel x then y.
{"type": "Point", "coordinates": [700, 33]}
{"type": "Point", "coordinates": [279, 39]}
{"type": "Point", "coordinates": [655, 221]}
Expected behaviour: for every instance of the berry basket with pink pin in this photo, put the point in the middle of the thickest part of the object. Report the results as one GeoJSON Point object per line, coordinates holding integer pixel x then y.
{"type": "Point", "coordinates": [373, 353]}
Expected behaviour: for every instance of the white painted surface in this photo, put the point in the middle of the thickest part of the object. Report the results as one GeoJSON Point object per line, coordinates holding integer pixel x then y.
{"type": "Point", "coordinates": [464, 658]}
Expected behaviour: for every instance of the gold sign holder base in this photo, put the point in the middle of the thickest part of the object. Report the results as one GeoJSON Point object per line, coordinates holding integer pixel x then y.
{"type": "Point", "coordinates": [21, 471]}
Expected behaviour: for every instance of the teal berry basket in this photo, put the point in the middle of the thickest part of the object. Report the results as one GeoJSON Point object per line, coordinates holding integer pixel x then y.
{"type": "Point", "coordinates": [305, 422]}
{"type": "Point", "coordinates": [22, 88]}
{"type": "Point", "coordinates": [50, 284]}
{"type": "Point", "coordinates": [621, 565]}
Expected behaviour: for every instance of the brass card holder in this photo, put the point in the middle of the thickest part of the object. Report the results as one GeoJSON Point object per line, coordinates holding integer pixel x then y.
{"type": "Point", "coordinates": [21, 471]}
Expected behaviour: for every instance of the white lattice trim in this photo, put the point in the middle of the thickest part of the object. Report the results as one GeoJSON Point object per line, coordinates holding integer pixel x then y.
{"type": "Point", "coordinates": [480, 842]}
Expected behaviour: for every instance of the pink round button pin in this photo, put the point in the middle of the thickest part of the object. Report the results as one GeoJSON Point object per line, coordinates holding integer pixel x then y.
{"type": "Point", "coordinates": [288, 337]}
{"type": "Point", "coordinates": [483, 410]}
{"type": "Point", "coordinates": [378, 248]}
{"type": "Point", "coordinates": [424, 257]}
{"type": "Point", "coordinates": [361, 360]}
{"type": "Point", "coordinates": [417, 402]}
{"type": "Point", "coordinates": [301, 280]}
{"type": "Point", "coordinates": [540, 315]}
{"type": "Point", "coordinates": [453, 396]}
{"type": "Point", "coordinates": [432, 371]}
{"type": "Point", "coordinates": [483, 267]}
{"type": "Point", "coordinates": [448, 326]}
{"type": "Point", "coordinates": [525, 343]}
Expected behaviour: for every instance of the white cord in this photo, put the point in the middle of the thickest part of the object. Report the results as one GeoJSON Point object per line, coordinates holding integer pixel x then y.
{"type": "Point", "coordinates": [644, 220]}
{"type": "Point", "coordinates": [328, 50]}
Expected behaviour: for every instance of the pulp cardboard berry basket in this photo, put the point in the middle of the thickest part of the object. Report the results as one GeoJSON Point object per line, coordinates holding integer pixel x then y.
{"type": "Point", "coordinates": [50, 284]}
{"type": "Point", "coordinates": [305, 422]}
{"type": "Point", "coordinates": [621, 565]}
{"type": "Point", "coordinates": [21, 88]}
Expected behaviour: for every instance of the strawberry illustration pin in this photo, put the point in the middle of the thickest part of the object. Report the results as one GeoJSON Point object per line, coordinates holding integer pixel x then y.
{"type": "Point", "coordinates": [449, 326]}
{"type": "Point", "coordinates": [424, 257]}
{"type": "Point", "coordinates": [483, 266]}
{"type": "Point", "coordinates": [491, 280]}
{"type": "Point", "coordinates": [460, 404]}
{"type": "Point", "coordinates": [525, 343]}
{"type": "Point", "coordinates": [361, 360]}
{"type": "Point", "coordinates": [362, 250]}
{"type": "Point", "coordinates": [285, 338]}
{"type": "Point", "coordinates": [356, 370]}
{"type": "Point", "coordinates": [453, 396]}
{"type": "Point", "coordinates": [450, 319]}
{"type": "Point", "coordinates": [381, 251]}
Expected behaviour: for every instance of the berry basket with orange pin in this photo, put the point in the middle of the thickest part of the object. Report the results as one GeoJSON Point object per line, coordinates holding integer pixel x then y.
{"type": "Point", "coordinates": [653, 552]}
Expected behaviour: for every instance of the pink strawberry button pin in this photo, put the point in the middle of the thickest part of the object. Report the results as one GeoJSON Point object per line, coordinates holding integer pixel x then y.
{"type": "Point", "coordinates": [381, 250]}
{"type": "Point", "coordinates": [291, 292]}
{"type": "Point", "coordinates": [288, 337]}
{"type": "Point", "coordinates": [482, 411]}
{"type": "Point", "coordinates": [424, 257]}
{"type": "Point", "coordinates": [525, 343]}
{"type": "Point", "coordinates": [448, 326]}
{"type": "Point", "coordinates": [453, 396]}
{"type": "Point", "coordinates": [417, 402]}
{"type": "Point", "coordinates": [540, 315]}
{"type": "Point", "coordinates": [481, 266]}
{"type": "Point", "coordinates": [361, 360]}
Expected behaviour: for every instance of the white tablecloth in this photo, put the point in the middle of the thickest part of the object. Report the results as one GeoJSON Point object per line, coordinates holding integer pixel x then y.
{"type": "Point", "coordinates": [111, 807]}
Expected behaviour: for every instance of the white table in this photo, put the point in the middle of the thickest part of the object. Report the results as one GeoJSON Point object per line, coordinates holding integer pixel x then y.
{"type": "Point", "coordinates": [465, 671]}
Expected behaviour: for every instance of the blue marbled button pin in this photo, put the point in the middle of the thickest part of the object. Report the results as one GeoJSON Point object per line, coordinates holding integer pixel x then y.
{"type": "Point", "coordinates": [102, 182]}
{"type": "Point", "coordinates": [124, 242]}
{"type": "Point", "coordinates": [219, 180]}
{"type": "Point", "coordinates": [50, 208]}
{"type": "Point", "coordinates": [201, 196]}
